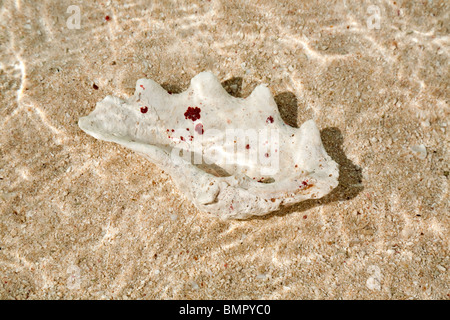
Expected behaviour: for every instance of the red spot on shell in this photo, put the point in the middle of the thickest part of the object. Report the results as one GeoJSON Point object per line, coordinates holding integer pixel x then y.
{"type": "Point", "coordinates": [199, 128]}
{"type": "Point", "coordinates": [192, 113]}
{"type": "Point", "coordinates": [173, 130]}
{"type": "Point", "coordinates": [182, 138]}
{"type": "Point", "coordinates": [269, 119]}
{"type": "Point", "coordinates": [107, 18]}
{"type": "Point", "coordinates": [142, 86]}
{"type": "Point", "coordinates": [144, 109]}
{"type": "Point", "coordinates": [266, 155]}
{"type": "Point", "coordinates": [304, 183]}
{"type": "Point", "coordinates": [247, 147]}
{"type": "Point", "coordinates": [95, 86]}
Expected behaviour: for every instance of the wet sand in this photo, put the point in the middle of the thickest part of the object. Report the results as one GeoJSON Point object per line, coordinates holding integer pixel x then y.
{"type": "Point", "coordinates": [86, 219]}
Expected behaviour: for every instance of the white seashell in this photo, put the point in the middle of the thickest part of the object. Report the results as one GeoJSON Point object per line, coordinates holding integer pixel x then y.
{"type": "Point", "coordinates": [232, 157]}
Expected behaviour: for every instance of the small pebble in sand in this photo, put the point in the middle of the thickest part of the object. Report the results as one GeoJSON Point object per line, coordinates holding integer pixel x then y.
{"type": "Point", "coordinates": [261, 276]}
{"type": "Point", "coordinates": [374, 281]}
{"type": "Point", "coordinates": [420, 151]}
{"type": "Point", "coordinates": [194, 285]}
{"type": "Point", "coordinates": [441, 268]}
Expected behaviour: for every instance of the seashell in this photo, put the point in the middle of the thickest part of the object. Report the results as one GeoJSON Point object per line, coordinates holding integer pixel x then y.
{"type": "Point", "coordinates": [233, 158]}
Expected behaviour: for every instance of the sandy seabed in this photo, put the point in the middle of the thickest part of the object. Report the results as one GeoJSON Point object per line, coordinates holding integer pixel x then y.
{"type": "Point", "coordinates": [86, 219]}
